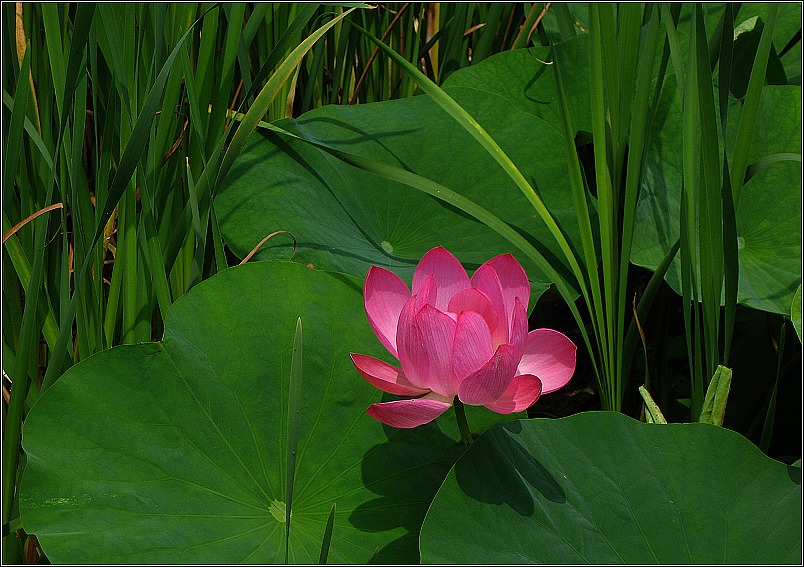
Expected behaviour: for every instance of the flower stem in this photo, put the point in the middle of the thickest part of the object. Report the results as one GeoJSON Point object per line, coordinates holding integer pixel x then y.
{"type": "Point", "coordinates": [463, 426]}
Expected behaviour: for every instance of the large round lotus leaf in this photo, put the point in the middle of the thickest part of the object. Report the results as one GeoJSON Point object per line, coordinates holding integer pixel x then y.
{"type": "Point", "coordinates": [768, 211]}
{"type": "Point", "coordinates": [603, 488]}
{"type": "Point", "coordinates": [175, 452]}
{"type": "Point", "coordinates": [345, 219]}
{"type": "Point", "coordinates": [525, 79]}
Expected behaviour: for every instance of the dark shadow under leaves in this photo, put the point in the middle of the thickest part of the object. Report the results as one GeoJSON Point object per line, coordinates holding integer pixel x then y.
{"type": "Point", "coordinates": [498, 470]}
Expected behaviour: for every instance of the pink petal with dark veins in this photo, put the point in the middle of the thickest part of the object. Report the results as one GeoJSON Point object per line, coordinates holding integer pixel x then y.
{"type": "Point", "coordinates": [406, 414]}
{"type": "Point", "coordinates": [450, 277]}
{"type": "Point", "coordinates": [384, 295]}
{"type": "Point", "coordinates": [384, 376]}
{"type": "Point", "coordinates": [489, 382]}
{"type": "Point", "coordinates": [550, 355]}
{"type": "Point", "coordinates": [523, 391]}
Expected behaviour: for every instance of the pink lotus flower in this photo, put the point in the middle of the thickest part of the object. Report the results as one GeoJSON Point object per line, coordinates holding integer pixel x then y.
{"type": "Point", "coordinates": [456, 336]}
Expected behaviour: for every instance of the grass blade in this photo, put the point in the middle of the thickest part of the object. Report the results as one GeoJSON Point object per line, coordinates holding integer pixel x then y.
{"type": "Point", "coordinates": [748, 118]}
{"type": "Point", "coordinates": [50, 20]}
{"type": "Point", "coordinates": [767, 425]}
{"type": "Point", "coordinates": [294, 407]}
{"type": "Point", "coordinates": [638, 142]}
{"type": "Point", "coordinates": [282, 46]}
{"type": "Point", "coordinates": [724, 70]}
{"type": "Point", "coordinates": [84, 15]}
{"type": "Point", "coordinates": [33, 134]}
{"type": "Point", "coordinates": [24, 352]}
{"type": "Point", "coordinates": [322, 558]}
{"type": "Point", "coordinates": [566, 23]}
{"type": "Point", "coordinates": [137, 141]}
{"type": "Point", "coordinates": [267, 96]}
{"type": "Point", "coordinates": [710, 207]}
{"type": "Point", "coordinates": [15, 128]}
{"type": "Point", "coordinates": [152, 255]}
{"type": "Point", "coordinates": [652, 412]}
{"type": "Point", "coordinates": [731, 261]}
{"type": "Point", "coordinates": [603, 119]}
{"type": "Point", "coordinates": [690, 256]}
{"type": "Point", "coordinates": [536, 12]}
{"type": "Point", "coordinates": [675, 47]}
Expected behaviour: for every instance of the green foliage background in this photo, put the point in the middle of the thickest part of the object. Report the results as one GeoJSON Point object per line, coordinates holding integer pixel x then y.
{"type": "Point", "coordinates": [137, 164]}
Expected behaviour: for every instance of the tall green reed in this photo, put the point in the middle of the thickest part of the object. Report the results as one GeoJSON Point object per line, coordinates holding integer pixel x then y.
{"type": "Point", "coordinates": [711, 189]}
{"type": "Point", "coordinates": [623, 50]}
{"type": "Point", "coordinates": [117, 126]}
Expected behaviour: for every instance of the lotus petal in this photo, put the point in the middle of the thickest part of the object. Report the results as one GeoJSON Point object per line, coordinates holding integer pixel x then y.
{"type": "Point", "coordinates": [523, 391]}
{"type": "Point", "coordinates": [427, 293]}
{"type": "Point", "coordinates": [489, 382]}
{"type": "Point", "coordinates": [550, 355]}
{"type": "Point", "coordinates": [425, 349]}
{"type": "Point", "coordinates": [519, 328]}
{"type": "Point", "coordinates": [471, 299]}
{"type": "Point", "coordinates": [513, 278]}
{"type": "Point", "coordinates": [450, 277]}
{"type": "Point", "coordinates": [472, 347]}
{"type": "Point", "coordinates": [384, 376]}
{"type": "Point", "coordinates": [405, 340]}
{"type": "Point", "coordinates": [384, 296]}
{"type": "Point", "coordinates": [486, 280]}
{"type": "Point", "coordinates": [406, 414]}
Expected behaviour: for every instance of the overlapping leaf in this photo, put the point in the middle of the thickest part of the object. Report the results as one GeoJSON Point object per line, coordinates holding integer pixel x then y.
{"type": "Point", "coordinates": [346, 219]}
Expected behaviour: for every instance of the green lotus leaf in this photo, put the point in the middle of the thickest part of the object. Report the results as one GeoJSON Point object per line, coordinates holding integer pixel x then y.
{"type": "Point", "coordinates": [175, 452]}
{"type": "Point", "coordinates": [600, 488]}
{"type": "Point", "coordinates": [346, 219]}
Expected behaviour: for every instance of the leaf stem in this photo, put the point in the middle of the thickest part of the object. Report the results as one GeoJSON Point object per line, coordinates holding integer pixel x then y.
{"type": "Point", "coordinates": [463, 426]}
